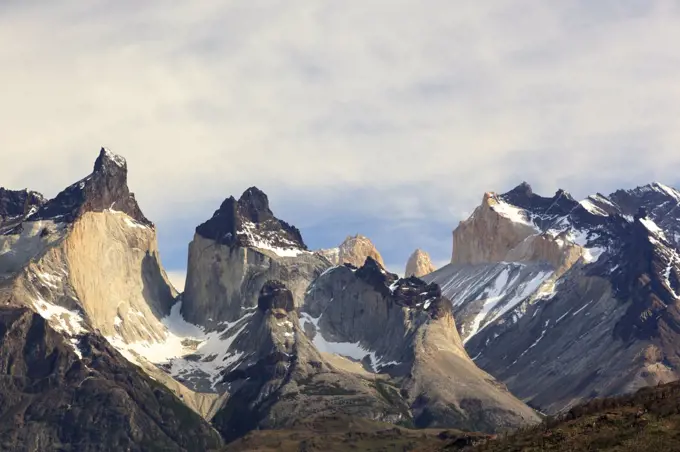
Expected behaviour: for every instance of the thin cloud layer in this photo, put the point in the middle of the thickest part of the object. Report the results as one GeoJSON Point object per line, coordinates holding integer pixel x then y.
{"type": "Point", "coordinates": [389, 118]}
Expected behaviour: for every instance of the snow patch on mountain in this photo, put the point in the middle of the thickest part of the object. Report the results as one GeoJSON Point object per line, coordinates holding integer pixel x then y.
{"type": "Point", "coordinates": [512, 213]}
{"type": "Point", "coordinates": [351, 350]}
{"type": "Point", "coordinates": [61, 319]}
{"type": "Point", "coordinates": [582, 238]}
{"type": "Point", "coordinates": [667, 190]}
{"type": "Point", "coordinates": [653, 228]}
{"type": "Point", "coordinates": [188, 351]}
{"type": "Point", "coordinates": [68, 322]}
{"type": "Point", "coordinates": [18, 247]}
{"type": "Point", "coordinates": [592, 208]}
{"type": "Point", "coordinates": [502, 291]}
{"type": "Point", "coordinates": [258, 239]}
{"type": "Point", "coordinates": [115, 158]}
{"type": "Point", "coordinates": [667, 272]}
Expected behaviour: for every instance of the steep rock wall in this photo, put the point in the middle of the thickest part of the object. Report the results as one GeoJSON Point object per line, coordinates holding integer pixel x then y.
{"type": "Point", "coordinates": [224, 280]}
{"type": "Point", "coordinates": [488, 236]}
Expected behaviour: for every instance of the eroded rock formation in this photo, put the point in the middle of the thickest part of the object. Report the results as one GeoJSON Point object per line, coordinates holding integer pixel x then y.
{"type": "Point", "coordinates": [419, 264]}
{"type": "Point", "coordinates": [236, 252]}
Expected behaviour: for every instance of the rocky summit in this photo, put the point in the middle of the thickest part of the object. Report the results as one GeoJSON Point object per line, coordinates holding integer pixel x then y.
{"type": "Point", "coordinates": [250, 222]}
{"type": "Point", "coordinates": [236, 252]}
{"type": "Point", "coordinates": [419, 264]}
{"type": "Point", "coordinates": [354, 250]}
{"type": "Point", "coordinates": [548, 302]}
{"type": "Point", "coordinates": [566, 300]}
{"type": "Point", "coordinates": [104, 189]}
{"type": "Point", "coordinates": [417, 346]}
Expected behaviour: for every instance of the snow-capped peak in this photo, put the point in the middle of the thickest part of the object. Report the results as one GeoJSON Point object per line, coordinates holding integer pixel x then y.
{"type": "Point", "coordinates": [592, 208]}
{"type": "Point", "coordinates": [658, 186]}
{"type": "Point", "coordinates": [509, 211]}
{"type": "Point", "coordinates": [259, 239]}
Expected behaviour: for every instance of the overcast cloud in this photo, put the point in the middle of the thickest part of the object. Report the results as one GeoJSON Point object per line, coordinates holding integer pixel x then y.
{"type": "Point", "coordinates": [385, 117]}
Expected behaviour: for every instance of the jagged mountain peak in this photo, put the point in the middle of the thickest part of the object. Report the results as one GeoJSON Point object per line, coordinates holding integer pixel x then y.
{"type": "Point", "coordinates": [522, 196]}
{"type": "Point", "coordinates": [661, 202]}
{"type": "Point", "coordinates": [652, 195]}
{"type": "Point", "coordinates": [409, 292]}
{"type": "Point", "coordinates": [524, 187]}
{"type": "Point", "coordinates": [524, 192]}
{"type": "Point", "coordinates": [249, 222]}
{"type": "Point", "coordinates": [104, 189]}
{"type": "Point", "coordinates": [653, 187]}
{"type": "Point", "coordinates": [375, 274]}
{"type": "Point", "coordinates": [108, 161]}
{"type": "Point", "coordinates": [419, 264]}
{"type": "Point", "coordinates": [356, 249]}
{"type": "Point", "coordinates": [15, 205]}
{"type": "Point", "coordinates": [353, 250]}
{"type": "Point", "coordinates": [255, 204]}
{"type": "Point", "coordinates": [416, 342]}
{"type": "Point", "coordinates": [531, 277]}
{"type": "Point", "coordinates": [413, 292]}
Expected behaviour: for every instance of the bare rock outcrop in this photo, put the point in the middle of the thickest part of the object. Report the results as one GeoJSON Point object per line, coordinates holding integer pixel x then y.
{"type": "Point", "coordinates": [417, 344]}
{"type": "Point", "coordinates": [236, 252]}
{"type": "Point", "coordinates": [331, 254]}
{"type": "Point", "coordinates": [355, 249]}
{"type": "Point", "coordinates": [15, 205]}
{"type": "Point", "coordinates": [77, 257]}
{"type": "Point", "coordinates": [104, 189]}
{"type": "Point", "coordinates": [88, 261]}
{"type": "Point", "coordinates": [584, 307]}
{"type": "Point", "coordinates": [499, 231]}
{"type": "Point", "coordinates": [84, 396]}
{"type": "Point", "coordinates": [493, 229]}
{"type": "Point", "coordinates": [419, 264]}
{"type": "Point", "coordinates": [285, 381]}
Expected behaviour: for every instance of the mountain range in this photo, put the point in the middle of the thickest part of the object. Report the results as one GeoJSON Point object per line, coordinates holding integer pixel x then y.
{"type": "Point", "coordinates": [547, 302]}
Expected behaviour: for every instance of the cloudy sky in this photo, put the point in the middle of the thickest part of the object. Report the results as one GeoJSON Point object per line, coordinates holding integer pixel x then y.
{"type": "Point", "coordinates": [384, 117]}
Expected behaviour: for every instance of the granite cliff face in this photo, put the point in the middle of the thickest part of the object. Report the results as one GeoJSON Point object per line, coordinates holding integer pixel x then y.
{"type": "Point", "coordinates": [417, 345]}
{"type": "Point", "coordinates": [560, 300]}
{"type": "Point", "coordinates": [583, 307]}
{"type": "Point", "coordinates": [78, 257]}
{"type": "Point", "coordinates": [84, 269]}
{"type": "Point", "coordinates": [236, 252]}
{"type": "Point", "coordinates": [87, 267]}
{"type": "Point", "coordinates": [419, 264]}
{"type": "Point", "coordinates": [499, 231]}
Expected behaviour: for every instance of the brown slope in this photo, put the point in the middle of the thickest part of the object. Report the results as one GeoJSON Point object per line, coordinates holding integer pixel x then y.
{"type": "Point", "coordinates": [647, 420]}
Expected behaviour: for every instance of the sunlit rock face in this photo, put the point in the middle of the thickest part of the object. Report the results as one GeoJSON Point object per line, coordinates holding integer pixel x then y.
{"type": "Point", "coordinates": [567, 300]}
{"type": "Point", "coordinates": [419, 264]}
{"type": "Point", "coordinates": [236, 252]}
